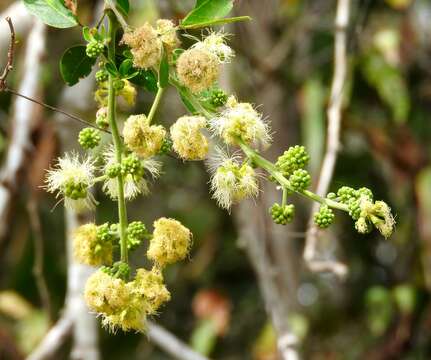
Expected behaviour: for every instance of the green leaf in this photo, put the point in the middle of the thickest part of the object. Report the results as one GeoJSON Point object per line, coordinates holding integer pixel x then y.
{"type": "Point", "coordinates": [75, 64]}
{"type": "Point", "coordinates": [126, 68]}
{"type": "Point", "coordinates": [111, 68]}
{"type": "Point", "coordinates": [52, 13]}
{"type": "Point", "coordinates": [124, 6]}
{"type": "Point", "coordinates": [189, 106]}
{"type": "Point", "coordinates": [164, 71]}
{"type": "Point", "coordinates": [389, 84]}
{"type": "Point", "coordinates": [216, 22]}
{"type": "Point", "coordinates": [86, 34]}
{"type": "Point", "coordinates": [207, 10]}
{"type": "Point", "coordinates": [145, 79]}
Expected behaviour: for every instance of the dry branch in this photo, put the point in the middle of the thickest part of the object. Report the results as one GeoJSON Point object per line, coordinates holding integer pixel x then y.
{"type": "Point", "coordinates": [332, 141]}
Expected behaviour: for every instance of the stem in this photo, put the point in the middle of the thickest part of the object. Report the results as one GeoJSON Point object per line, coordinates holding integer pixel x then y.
{"type": "Point", "coordinates": [284, 199]}
{"type": "Point", "coordinates": [155, 105]}
{"type": "Point", "coordinates": [117, 14]}
{"type": "Point", "coordinates": [271, 169]}
{"type": "Point", "coordinates": [122, 211]}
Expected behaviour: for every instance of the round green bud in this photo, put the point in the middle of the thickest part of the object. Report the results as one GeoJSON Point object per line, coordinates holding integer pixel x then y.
{"type": "Point", "coordinates": [354, 209]}
{"type": "Point", "coordinates": [75, 191]}
{"type": "Point", "coordinates": [119, 85]}
{"type": "Point", "coordinates": [101, 76]}
{"type": "Point", "coordinates": [104, 233]}
{"type": "Point", "coordinates": [331, 196]}
{"type": "Point", "coordinates": [300, 179]}
{"type": "Point", "coordinates": [136, 232]}
{"type": "Point", "coordinates": [132, 165]}
{"type": "Point", "coordinates": [296, 157]}
{"type": "Point", "coordinates": [218, 97]}
{"type": "Point", "coordinates": [363, 191]}
{"type": "Point", "coordinates": [94, 49]}
{"type": "Point", "coordinates": [346, 193]}
{"type": "Point", "coordinates": [119, 270]}
{"type": "Point", "coordinates": [102, 118]}
{"type": "Point", "coordinates": [113, 170]}
{"type": "Point", "coordinates": [166, 147]}
{"type": "Point", "coordinates": [89, 138]}
{"type": "Point", "coordinates": [282, 214]}
{"type": "Point", "coordinates": [324, 217]}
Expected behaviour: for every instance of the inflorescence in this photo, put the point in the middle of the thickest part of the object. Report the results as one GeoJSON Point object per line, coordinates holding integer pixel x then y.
{"type": "Point", "coordinates": [126, 163]}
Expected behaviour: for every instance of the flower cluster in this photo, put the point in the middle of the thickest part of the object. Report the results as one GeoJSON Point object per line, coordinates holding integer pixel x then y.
{"type": "Point", "coordinates": [122, 303]}
{"type": "Point", "coordinates": [187, 139]}
{"type": "Point", "coordinates": [232, 181]}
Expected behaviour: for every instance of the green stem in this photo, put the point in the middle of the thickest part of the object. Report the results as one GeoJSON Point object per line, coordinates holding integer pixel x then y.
{"type": "Point", "coordinates": [284, 199]}
{"type": "Point", "coordinates": [271, 169]}
{"type": "Point", "coordinates": [122, 211]}
{"type": "Point", "coordinates": [155, 104]}
{"type": "Point", "coordinates": [117, 14]}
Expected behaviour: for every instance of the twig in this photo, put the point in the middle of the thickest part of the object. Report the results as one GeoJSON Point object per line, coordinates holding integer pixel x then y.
{"type": "Point", "coordinates": [10, 55]}
{"type": "Point", "coordinates": [54, 339]}
{"type": "Point", "coordinates": [53, 108]}
{"type": "Point", "coordinates": [333, 139]}
{"type": "Point", "coordinates": [22, 123]}
{"type": "Point", "coordinates": [171, 344]}
{"type": "Point", "coordinates": [38, 254]}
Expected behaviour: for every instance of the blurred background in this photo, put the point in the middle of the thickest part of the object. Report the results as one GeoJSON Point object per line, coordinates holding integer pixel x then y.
{"type": "Point", "coordinates": [246, 283]}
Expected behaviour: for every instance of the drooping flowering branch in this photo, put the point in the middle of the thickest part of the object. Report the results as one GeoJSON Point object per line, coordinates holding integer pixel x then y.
{"type": "Point", "coordinates": [151, 58]}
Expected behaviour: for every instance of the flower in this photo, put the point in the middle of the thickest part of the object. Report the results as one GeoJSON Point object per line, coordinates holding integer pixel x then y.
{"type": "Point", "coordinates": [215, 43]}
{"type": "Point", "coordinates": [72, 178]}
{"type": "Point", "coordinates": [188, 140]}
{"type": "Point", "coordinates": [141, 137]}
{"type": "Point", "coordinates": [377, 214]}
{"type": "Point", "coordinates": [150, 285]}
{"type": "Point", "coordinates": [171, 242]}
{"type": "Point", "coordinates": [133, 185]}
{"type": "Point", "coordinates": [116, 302]}
{"type": "Point", "coordinates": [168, 34]}
{"type": "Point", "coordinates": [232, 182]}
{"type": "Point", "coordinates": [240, 121]}
{"type": "Point", "coordinates": [197, 69]}
{"type": "Point", "coordinates": [89, 248]}
{"type": "Point", "coordinates": [145, 45]}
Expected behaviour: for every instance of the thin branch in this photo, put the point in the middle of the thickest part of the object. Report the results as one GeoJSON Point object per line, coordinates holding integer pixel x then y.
{"type": "Point", "coordinates": [53, 108]}
{"type": "Point", "coordinates": [171, 344]}
{"type": "Point", "coordinates": [38, 254]}
{"type": "Point", "coordinates": [10, 55]}
{"type": "Point", "coordinates": [333, 138]}
{"type": "Point", "coordinates": [54, 339]}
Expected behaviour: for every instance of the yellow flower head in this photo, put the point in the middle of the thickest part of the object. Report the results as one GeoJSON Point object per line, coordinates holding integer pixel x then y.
{"type": "Point", "coordinates": [232, 182]}
{"type": "Point", "coordinates": [145, 45]}
{"type": "Point", "coordinates": [171, 242]}
{"type": "Point", "coordinates": [88, 248]}
{"type": "Point", "coordinates": [197, 69]}
{"type": "Point", "coordinates": [378, 214]}
{"type": "Point", "coordinates": [106, 294]}
{"type": "Point", "coordinates": [168, 34]}
{"type": "Point", "coordinates": [188, 141]}
{"type": "Point", "coordinates": [241, 121]}
{"type": "Point", "coordinates": [141, 137]}
{"type": "Point", "coordinates": [150, 285]}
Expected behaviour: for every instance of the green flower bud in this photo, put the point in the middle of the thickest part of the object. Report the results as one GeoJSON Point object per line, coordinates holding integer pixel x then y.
{"type": "Point", "coordinates": [324, 217]}
{"type": "Point", "coordinates": [282, 214]}
{"type": "Point", "coordinates": [218, 97]}
{"type": "Point", "coordinates": [75, 191]}
{"type": "Point", "coordinates": [113, 170]}
{"type": "Point", "coordinates": [89, 138]}
{"type": "Point", "coordinates": [119, 85]}
{"type": "Point", "coordinates": [166, 146]}
{"type": "Point", "coordinates": [296, 157]}
{"type": "Point", "coordinates": [94, 49]}
{"type": "Point", "coordinates": [136, 232]}
{"type": "Point", "coordinates": [300, 179]}
{"type": "Point", "coordinates": [346, 193]}
{"type": "Point", "coordinates": [102, 75]}
{"type": "Point", "coordinates": [132, 165]}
